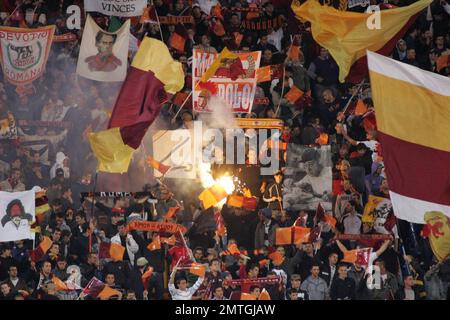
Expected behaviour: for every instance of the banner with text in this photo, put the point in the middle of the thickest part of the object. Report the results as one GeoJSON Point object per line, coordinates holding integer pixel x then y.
{"type": "Point", "coordinates": [118, 8]}
{"type": "Point", "coordinates": [234, 81]}
{"type": "Point", "coordinates": [24, 53]}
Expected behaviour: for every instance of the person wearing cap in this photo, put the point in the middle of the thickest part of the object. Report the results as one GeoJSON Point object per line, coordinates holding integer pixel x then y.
{"type": "Point", "coordinates": [273, 193]}
{"type": "Point", "coordinates": [265, 229]}
{"type": "Point", "coordinates": [135, 280]}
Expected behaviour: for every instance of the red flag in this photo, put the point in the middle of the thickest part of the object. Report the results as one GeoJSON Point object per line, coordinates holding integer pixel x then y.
{"type": "Point", "coordinates": [108, 250]}
{"type": "Point", "coordinates": [320, 214]}
{"type": "Point", "coordinates": [41, 250]}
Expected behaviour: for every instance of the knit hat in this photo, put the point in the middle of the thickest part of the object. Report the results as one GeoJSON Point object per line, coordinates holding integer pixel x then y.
{"type": "Point", "coordinates": [141, 262]}
{"type": "Point", "coordinates": [266, 212]}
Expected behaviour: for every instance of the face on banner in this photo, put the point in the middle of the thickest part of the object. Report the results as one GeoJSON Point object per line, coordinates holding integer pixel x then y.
{"type": "Point", "coordinates": [308, 179]}
{"type": "Point", "coordinates": [24, 53]}
{"type": "Point", "coordinates": [234, 81]}
{"type": "Point", "coordinates": [103, 55]}
{"type": "Point", "coordinates": [17, 211]}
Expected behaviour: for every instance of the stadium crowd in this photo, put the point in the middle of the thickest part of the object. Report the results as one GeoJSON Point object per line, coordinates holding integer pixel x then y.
{"type": "Point", "coordinates": [56, 113]}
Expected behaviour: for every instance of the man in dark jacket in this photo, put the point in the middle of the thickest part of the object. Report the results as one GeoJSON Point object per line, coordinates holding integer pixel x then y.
{"type": "Point", "coordinates": [328, 270]}
{"type": "Point", "coordinates": [135, 281]}
{"type": "Point", "coordinates": [265, 229]}
{"type": "Point", "coordinates": [17, 285]}
{"type": "Point", "coordinates": [362, 157]}
{"type": "Point", "coordinates": [342, 287]}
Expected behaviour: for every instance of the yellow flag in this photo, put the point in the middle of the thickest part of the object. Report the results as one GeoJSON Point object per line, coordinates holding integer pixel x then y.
{"type": "Point", "coordinates": [347, 36]}
{"type": "Point", "coordinates": [112, 154]}
{"type": "Point", "coordinates": [216, 64]}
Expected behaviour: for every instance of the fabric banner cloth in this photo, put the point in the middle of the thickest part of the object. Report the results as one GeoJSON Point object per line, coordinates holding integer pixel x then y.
{"type": "Point", "coordinates": [24, 53]}
{"type": "Point", "coordinates": [175, 142]}
{"type": "Point", "coordinates": [176, 19]}
{"type": "Point", "coordinates": [118, 8]}
{"type": "Point", "coordinates": [234, 81]}
{"type": "Point", "coordinates": [17, 212]}
{"type": "Point", "coordinates": [255, 282]}
{"type": "Point", "coordinates": [8, 128]}
{"type": "Point", "coordinates": [413, 115]}
{"type": "Point", "coordinates": [348, 40]}
{"type": "Point", "coordinates": [376, 212]}
{"type": "Point", "coordinates": [103, 55]}
{"type": "Point", "coordinates": [308, 178]}
{"type": "Point", "coordinates": [260, 123]}
{"type": "Point", "coordinates": [156, 226]}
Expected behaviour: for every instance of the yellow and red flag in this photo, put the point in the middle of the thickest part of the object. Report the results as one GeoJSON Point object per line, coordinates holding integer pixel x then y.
{"type": "Point", "coordinates": [346, 35]}
{"type": "Point", "coordinates": [109, 250]}
{"type": "Point", "coordinates": [437, 230]}
{"type": "Point", "coordinates": [41, 250]}
{"type": "Point", "coordinates": [157, 165]}
{"type": "Point", "coordinates": [413, 114]}
{"type": "Point", "coordinates": [212, 196]}
{"type": "Point", "coordinates": [153, 72]}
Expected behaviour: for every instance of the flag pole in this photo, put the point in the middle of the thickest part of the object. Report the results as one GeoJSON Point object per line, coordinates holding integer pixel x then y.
{"type": "Point", "coordinates": [282, 83]}
{"type": "Point", "coordinates": [159, 24]}
{"type": "Point", "coordinates": [92, 210]}
{"type": "Point", "coordinates": [353, 95]}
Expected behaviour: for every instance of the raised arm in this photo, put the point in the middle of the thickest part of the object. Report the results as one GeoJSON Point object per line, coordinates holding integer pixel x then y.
{"type": "Point", "coordinates": [383, 248]}
{"type": "Point", "coordinates": [341, 246]}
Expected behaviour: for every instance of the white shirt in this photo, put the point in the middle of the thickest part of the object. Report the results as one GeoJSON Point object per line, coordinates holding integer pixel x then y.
{"type": "Point", "coordinates": [14, 281]}
{"type": "Point", "coordinates": [352, 224]}
{"type": "Point", "coordinates": [187, 294]}
{"type": "Point", "coordinates": [409, 294]}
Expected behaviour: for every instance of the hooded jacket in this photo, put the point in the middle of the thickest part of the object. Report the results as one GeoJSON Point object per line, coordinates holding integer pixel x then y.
{"type": "Point", "coordinates": [60, 156]}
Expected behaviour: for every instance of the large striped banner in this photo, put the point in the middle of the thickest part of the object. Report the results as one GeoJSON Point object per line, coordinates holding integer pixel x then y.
{"type": "Point", "coordinates": [412, 108]}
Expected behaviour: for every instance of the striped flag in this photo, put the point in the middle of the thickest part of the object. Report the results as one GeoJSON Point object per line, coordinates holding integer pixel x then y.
{"type": "Point", "coordinates": [212, 196]}
{"type": "Point", "coordinates": [109, 250]}
{"type": "Point", "coordinates": [41, 204]}
{"type": "Point", "coordinates": [413, 117]}
{"type": "Point", "coordinates": [358, 256]}
{"type": "Point", "coordinates": [41, 250]}
{"type": "Point", "coordinates": [248, 203]}
{"type": "Point", "coordinates": [157, 165]}
{"type": "Point", "coordinates": [346, 35]}
{"type": "Point", "coordinates": [98, 289]}
{"type": "Point", "coordinates": [151, 79]}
